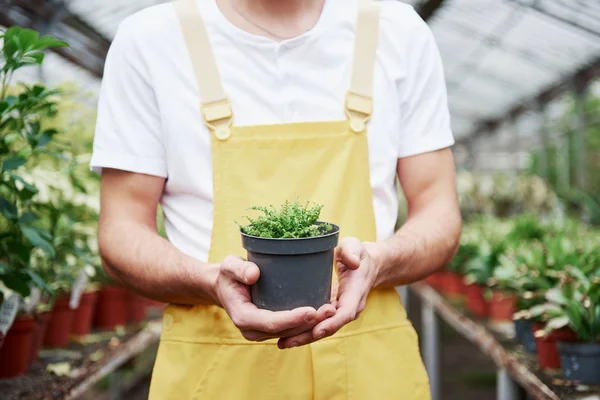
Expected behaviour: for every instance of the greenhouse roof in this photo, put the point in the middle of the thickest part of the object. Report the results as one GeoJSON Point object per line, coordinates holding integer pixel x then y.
{"type": "Point", "coordinates": [498, 54]}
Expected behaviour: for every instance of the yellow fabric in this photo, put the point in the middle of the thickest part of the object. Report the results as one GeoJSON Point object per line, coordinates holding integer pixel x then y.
{"type": "Point", "coordinates": [202, 355]}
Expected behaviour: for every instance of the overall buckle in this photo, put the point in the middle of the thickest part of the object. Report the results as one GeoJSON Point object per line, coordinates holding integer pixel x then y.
{"type": "Point", "coordinates": [358, 110]}
{"type": "Point", "coordinates": [218, 117]}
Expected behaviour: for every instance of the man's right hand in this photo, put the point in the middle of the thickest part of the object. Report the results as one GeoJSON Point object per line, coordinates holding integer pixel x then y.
{"type": "Point", "coordinates": [232, 291]}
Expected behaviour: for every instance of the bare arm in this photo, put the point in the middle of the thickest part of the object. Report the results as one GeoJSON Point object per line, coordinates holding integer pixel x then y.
{"type": "Point", "coordinates": [134, 254]}
{"type": "Point", "coordinates": [429, 238]}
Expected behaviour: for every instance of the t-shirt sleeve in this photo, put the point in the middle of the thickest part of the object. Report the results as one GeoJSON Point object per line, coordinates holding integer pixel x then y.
{"type": "Point", "coordinates": [128, 132]}
{"type": "Point", "coordinates": [424, 109]}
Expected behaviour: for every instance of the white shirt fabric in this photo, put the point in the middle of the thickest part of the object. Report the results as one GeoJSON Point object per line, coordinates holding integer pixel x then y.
{"type": "Point", "coordinates": [149, 118]}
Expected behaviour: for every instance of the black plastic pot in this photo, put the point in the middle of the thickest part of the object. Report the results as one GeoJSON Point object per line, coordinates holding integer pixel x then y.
{"type": "Point", "coordinates": [293, 272]}
{"type": "Point", "coordinates": [580, 362]}
{"type": "Point", "coordinates": [524, 334]}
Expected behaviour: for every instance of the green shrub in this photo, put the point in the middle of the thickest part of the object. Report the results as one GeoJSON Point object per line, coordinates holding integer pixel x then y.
{"type": "Point", "coordinates": [291, 220]}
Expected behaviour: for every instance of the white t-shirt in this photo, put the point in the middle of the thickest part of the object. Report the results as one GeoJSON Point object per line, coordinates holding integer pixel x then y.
{"type": "Point", "coordinates": [149, 118]}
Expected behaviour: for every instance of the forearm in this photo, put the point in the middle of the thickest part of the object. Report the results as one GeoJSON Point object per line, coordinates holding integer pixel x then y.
{"type": "Point", "coordinates": [426, 242]}
{"type": "Point", "coordinates": [139, 258]}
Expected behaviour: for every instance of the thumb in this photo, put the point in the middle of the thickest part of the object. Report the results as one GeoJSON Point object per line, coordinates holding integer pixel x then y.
{"type": "Point", "coordinates": [350, 252]}
{"type": "Point", "coordinates": [240, 270]}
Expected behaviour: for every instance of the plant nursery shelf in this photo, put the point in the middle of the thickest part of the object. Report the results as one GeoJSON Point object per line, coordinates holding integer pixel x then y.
{"type": "Point", "coordinates": [497, 343]}
{"type": "Point", "coordinates": [80, 366]}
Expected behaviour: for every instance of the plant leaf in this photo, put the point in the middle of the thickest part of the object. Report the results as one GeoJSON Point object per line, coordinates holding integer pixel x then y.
{"type": "Point", "coordinates": [555, 295]}
{"type": "Point", "coordinates": [18, 283]}
{"type": "Point", "coordinates": [37, 280]}
{"type": "Point", "coordinates": [35, 238]}
{"type": "Point", "coordinates": [13, 163]}
{"type": "Point", "coordinates": [8, 209]}
{"type": "Point", "coordinates": [28, 218]}
{"type": "Point", "coordinates": [557, 323]}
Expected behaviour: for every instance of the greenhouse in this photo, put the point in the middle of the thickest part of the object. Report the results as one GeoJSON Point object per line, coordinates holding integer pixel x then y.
{"type": "Point", "coordinates": [513, 312]}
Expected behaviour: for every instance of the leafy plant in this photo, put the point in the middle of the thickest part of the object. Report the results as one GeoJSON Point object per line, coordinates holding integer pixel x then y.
{"type": "Point", "coordinates": [574, 303]}
{"type": "Point", "coordinates": [480, 269]}
{"type": "Point", "coordinates": [291, 220]}
{"type": "Point", "coordinates": [21, 139]}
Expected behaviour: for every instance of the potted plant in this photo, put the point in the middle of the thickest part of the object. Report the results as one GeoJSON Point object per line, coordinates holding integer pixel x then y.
{"type": "Point", "coordinates": [577, 310]}
{"type": "Point", "coordinates": [294, 252]}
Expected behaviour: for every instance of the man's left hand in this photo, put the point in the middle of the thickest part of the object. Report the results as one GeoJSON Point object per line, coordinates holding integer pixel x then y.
{"type": "Point", "coordinates": [357, 270]}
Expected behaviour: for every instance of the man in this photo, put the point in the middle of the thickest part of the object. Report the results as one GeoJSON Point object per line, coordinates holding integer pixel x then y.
{"type": "Point", "coordinates": [211, 106]}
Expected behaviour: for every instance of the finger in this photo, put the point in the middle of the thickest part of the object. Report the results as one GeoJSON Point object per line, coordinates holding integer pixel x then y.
{"type": "Point", "coordinates": [350, 305]}
{"type": "Point", "coordinates": [299, 340]}
{"type": "Point", "coordinates": [304, 338]}
{"type": "Point", "coordinates": [350, 252]}
{"type": "Point", "coordinates": [240, 270]}
{"type": "Point", "coordinates": [323, 313]}
{"type": "Point", "coordinates": [248, 317]}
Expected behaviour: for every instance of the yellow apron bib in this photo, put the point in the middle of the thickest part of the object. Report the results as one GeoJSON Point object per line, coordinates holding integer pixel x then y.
{"type": "Point", "coordinates": [202, 355]}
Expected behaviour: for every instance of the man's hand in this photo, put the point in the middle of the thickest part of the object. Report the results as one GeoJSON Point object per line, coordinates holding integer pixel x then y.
{"type": "Point", "coordinates": [233, 294]}
{"type": "Point", "coordinates": [357, 271]}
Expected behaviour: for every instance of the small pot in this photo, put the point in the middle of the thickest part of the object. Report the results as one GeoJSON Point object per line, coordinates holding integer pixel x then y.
{"type": "Point", "coordinates": [453, 284]}
{"type": "Point", "coordinates": [16, 351]}
{"type": "Point", "coordinates": [580, 362]}
{"type": "Point", "coordinates": [548, 356]}
{"type": "Point", "coordinates": [137, 308]}
{"type": "Point", "coordinates": [475, 301]}
{"type": "Point", "coordinates": [82, 322]}
{"type": "Point", "coordinates": [501, 307]}
{"type": "Point", "coordinates": [59, 325]}
{"type": "Point", "coordinates": [41, 324]}
{"type": "Point", "coordinates": [524, 334]}
{"type": "Point", "coordinates": [111, 307]}
{"type": "Point", "coordinates": [293, 272]}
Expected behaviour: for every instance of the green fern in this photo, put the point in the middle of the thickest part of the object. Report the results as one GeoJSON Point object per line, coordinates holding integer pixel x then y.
{"type": "Point", "coordinates": [291, 220]}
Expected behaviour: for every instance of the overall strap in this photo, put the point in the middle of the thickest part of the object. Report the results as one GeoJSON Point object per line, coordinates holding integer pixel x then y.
{"type": "Point", "coordinates": [359, 99]}
{"type": "Point", "coordinates": [215, 106]}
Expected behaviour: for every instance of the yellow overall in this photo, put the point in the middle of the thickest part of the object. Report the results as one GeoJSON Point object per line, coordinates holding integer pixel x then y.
{"type": "Point", "coordinates": [202, 355]}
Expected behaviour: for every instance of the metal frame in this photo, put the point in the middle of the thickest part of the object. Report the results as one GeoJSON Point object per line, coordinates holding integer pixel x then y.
{"type": "Point", "coordinates": [88, 48]}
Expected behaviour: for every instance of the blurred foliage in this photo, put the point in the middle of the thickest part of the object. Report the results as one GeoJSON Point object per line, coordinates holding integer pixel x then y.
{"type": "Point", "coordinates": [580, 200]}
{"type": "Point", "coordinates": [48, 196]}
{"type": "Point", "coordinates": [23, 140]}
{"type": "Point", "coordinates": [543, 262]}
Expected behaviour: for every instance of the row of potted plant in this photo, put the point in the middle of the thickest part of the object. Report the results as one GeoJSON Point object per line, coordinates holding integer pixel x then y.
{"type": "Point", "coordinates": [58, 322]}
{"type": "Point", "coordinates": [544, 277]}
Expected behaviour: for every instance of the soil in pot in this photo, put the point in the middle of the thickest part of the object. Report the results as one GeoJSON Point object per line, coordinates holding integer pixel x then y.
{"type": "Point", "coordinates": [59, 325]}
{"type": "Point", "coordinates": [475, 301]}
{"type": "Point", "coordinates": [501, 307]}
{"type": "Point", "coordinates": [524, 334]}
{"type": "Point", "coordinates": [580, 362]}
{"type": "Point", "coordinates": [293, 272]}
{"type": "Point", "coordinates": [111, 307]}
{"type": "Point", "coordinates": [41, 324]}
{"type": "Point", "coordinates": [137, 308]}
{"type": "Point", "coordinates": [16, 350]}
{"type": "Point", "coordinates": [84, 314]}
{"type": "Point", "coordinates": [548, 356]}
